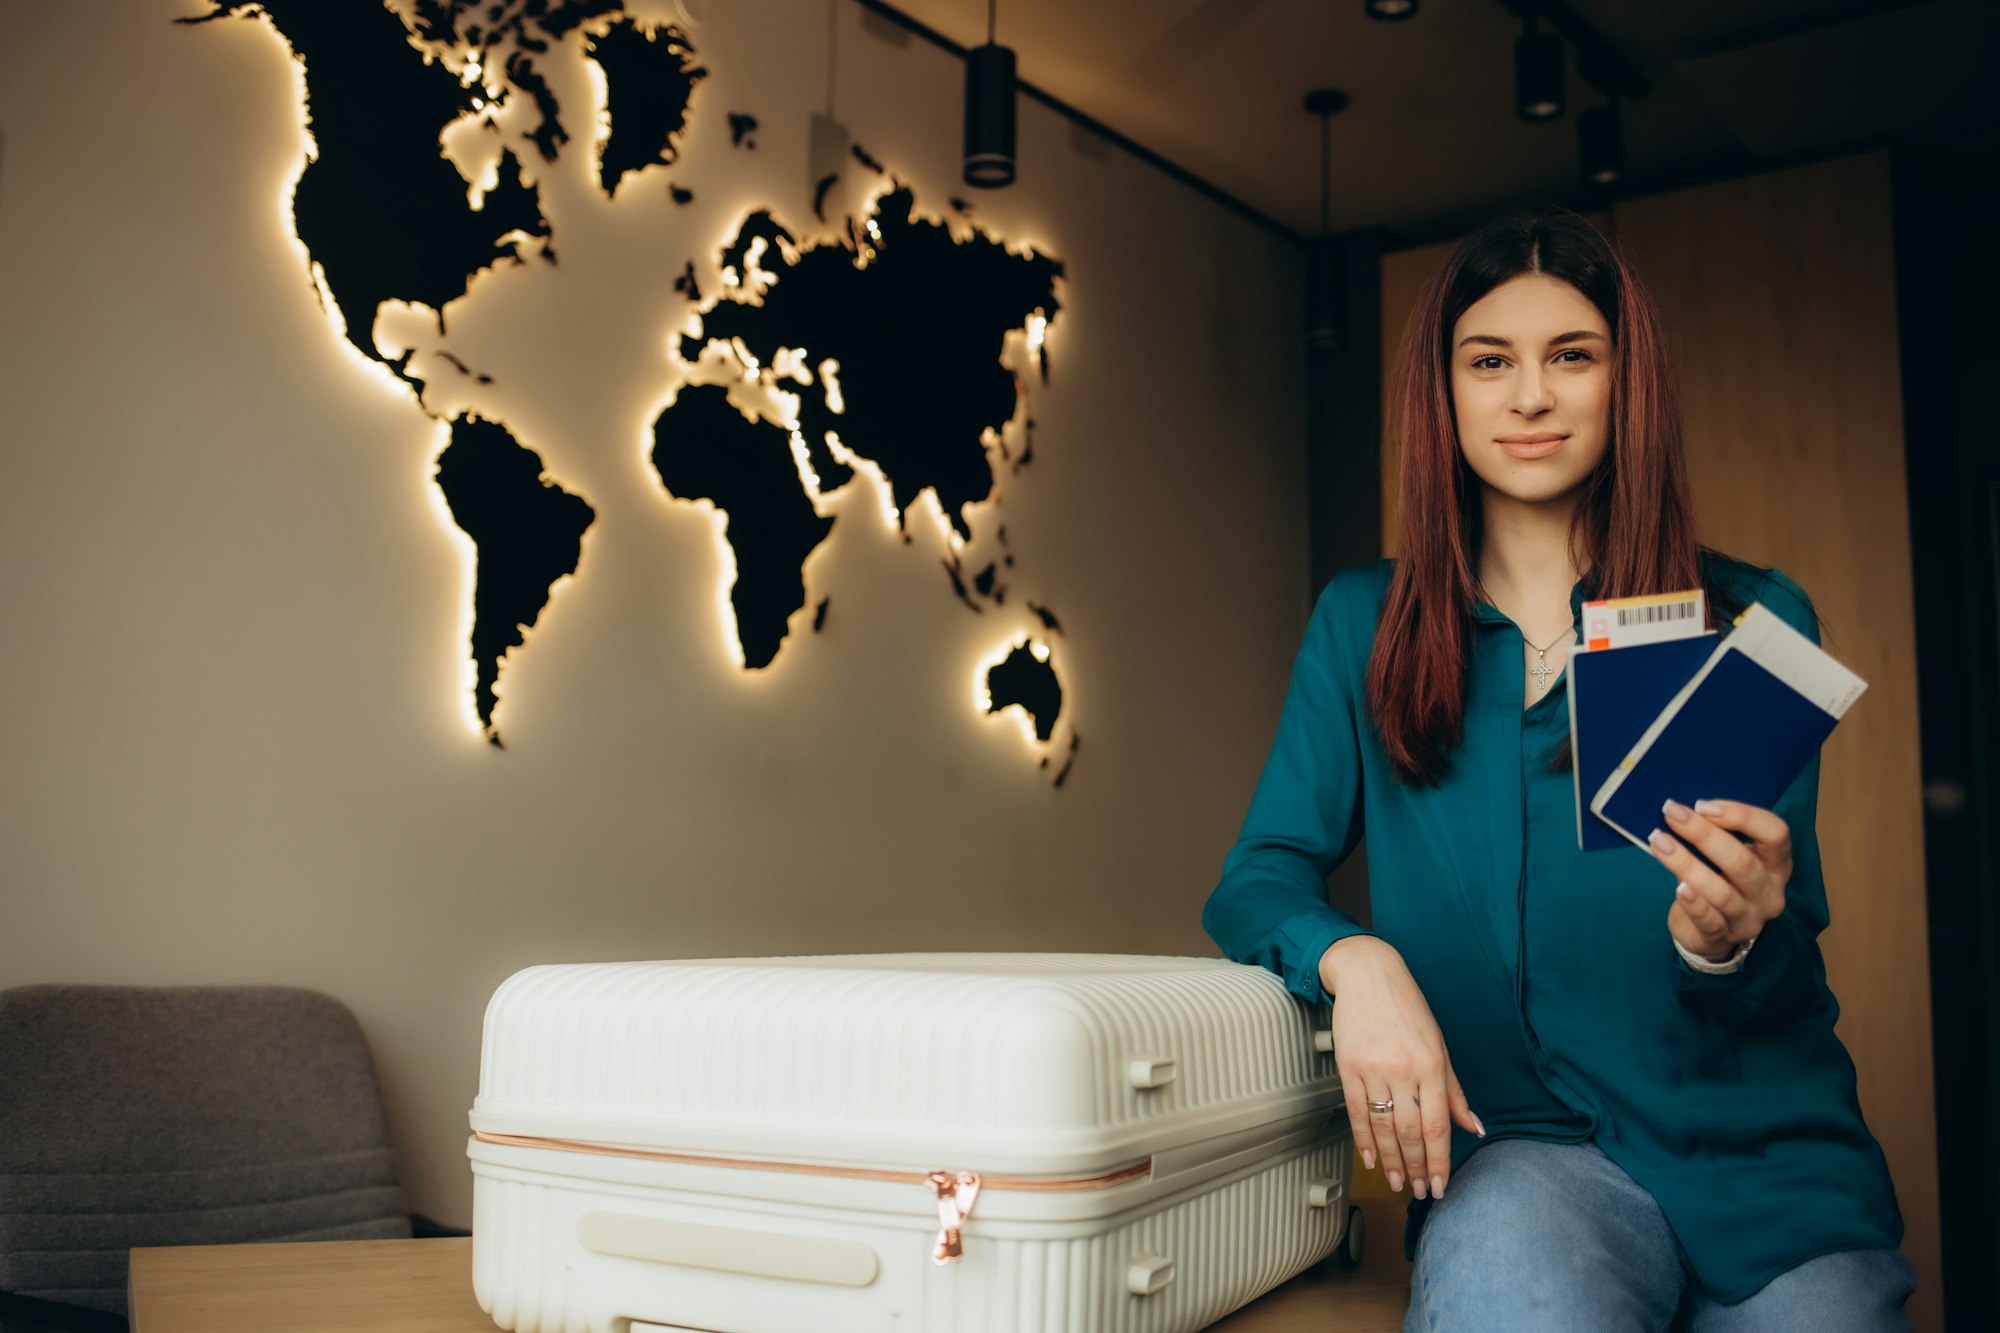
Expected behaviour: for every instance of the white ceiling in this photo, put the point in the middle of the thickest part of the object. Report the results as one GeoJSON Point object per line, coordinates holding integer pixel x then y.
{"type": "Point", "coordinates": [1430, 137]}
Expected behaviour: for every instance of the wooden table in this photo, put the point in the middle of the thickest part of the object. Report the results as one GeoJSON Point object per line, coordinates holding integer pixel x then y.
{"type": "Point", "coordinates": [397, 1286]}
{"type": "Point", "coordinates": [425, 1286]}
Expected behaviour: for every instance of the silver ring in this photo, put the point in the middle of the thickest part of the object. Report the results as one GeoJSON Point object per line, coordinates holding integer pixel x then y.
{"type": "Point", "coordinates": [1383, 1107]}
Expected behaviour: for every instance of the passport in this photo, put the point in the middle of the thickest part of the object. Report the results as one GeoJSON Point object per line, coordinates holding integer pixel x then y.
{"type": "Point", "coordinates": [1615, 694]}
{"type": "Point", "coordinates": [1742, 728]}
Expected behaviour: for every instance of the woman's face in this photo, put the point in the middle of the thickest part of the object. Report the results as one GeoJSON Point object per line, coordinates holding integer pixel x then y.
{"type": "Point", "coordinates": [1531, 387]}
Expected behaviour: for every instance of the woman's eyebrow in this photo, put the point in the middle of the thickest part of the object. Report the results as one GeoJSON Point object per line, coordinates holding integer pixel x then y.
{"type": "Point", "coordinates": [1575, 335]}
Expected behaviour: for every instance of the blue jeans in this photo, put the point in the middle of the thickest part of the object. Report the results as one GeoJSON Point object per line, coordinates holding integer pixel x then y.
{"type": "Point", "coordinates": [1548, 1237]}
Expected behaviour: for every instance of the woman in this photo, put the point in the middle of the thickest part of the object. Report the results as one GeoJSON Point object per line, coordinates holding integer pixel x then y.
{"type": "Point", "coordinates": [1612, 1111]}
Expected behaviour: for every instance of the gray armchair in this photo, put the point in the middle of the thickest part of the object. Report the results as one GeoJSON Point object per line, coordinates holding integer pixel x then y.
{"type": "Point", "coordinates": [176, 1116]}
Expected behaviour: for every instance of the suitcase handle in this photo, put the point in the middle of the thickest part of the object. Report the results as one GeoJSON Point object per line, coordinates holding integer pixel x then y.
{"type": "Point", "coordinates": [833, 1263]}
{"type": "Point", "coordinates": [1148, 1274]}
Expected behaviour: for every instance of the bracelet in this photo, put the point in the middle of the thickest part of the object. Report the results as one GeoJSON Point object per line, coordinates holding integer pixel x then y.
{"type": "Point", "coordinates": [1733, 963]}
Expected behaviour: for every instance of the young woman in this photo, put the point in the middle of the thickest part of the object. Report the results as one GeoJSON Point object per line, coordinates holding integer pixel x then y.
{"type": "Point", "coordinates": [1614, 1112]}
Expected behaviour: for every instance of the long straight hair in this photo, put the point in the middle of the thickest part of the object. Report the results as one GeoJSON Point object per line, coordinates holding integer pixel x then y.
{"type": "Point", "coordinates": [1633, 531]}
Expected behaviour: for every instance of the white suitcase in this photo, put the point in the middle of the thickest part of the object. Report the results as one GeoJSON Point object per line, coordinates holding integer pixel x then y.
{"type": "Point", "coordinates": [965, 1143]}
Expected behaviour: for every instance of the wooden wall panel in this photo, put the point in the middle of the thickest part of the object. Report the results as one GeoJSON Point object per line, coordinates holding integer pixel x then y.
{"type": "Point", "coordinates": [1778, 293]}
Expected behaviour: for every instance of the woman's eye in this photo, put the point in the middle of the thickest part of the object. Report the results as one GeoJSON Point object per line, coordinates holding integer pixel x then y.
{"type": "Point", "coordinates": [1568, 356]}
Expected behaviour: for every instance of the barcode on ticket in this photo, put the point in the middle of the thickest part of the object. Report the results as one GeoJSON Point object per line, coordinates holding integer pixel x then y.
{"type": "Point", "coordinates": [1620, 622]}
{"type": "Point", "coordinates": [1653, 615]}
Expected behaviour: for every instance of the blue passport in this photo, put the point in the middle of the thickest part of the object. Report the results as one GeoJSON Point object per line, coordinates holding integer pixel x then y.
{"type": "Point", "coordinates": [1742, 729]}
{"type": "Point", "coordinates": [1614, 695]}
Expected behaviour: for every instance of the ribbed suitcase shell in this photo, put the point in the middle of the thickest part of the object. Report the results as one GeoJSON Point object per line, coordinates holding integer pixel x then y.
{"type": "Point", "coordinates": [770, 1121]}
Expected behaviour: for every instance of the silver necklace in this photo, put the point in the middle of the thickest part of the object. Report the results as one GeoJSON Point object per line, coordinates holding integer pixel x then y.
{"type": "Point", "coordinates": [1541, 669]}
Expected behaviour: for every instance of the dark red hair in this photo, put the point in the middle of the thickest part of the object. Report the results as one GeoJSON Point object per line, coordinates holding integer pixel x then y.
{"type": "Point", "coordinates": [1633, 532]}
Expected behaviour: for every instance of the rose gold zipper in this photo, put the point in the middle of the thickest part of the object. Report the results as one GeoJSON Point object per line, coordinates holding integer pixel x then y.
{"type": "Point", "coordinates": [955, 1191]}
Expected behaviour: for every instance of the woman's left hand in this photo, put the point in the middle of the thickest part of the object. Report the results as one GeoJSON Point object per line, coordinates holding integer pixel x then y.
{"type": "Point", "coordinates": [1713, 913]}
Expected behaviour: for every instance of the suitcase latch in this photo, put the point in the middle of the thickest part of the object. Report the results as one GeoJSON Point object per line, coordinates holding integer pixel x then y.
{"type": "Point", "coordinates": [955, 1192]}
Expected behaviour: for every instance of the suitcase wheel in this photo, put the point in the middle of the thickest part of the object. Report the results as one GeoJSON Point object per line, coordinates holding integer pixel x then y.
{"type": "Point", "coordinates": [1349, 1253]}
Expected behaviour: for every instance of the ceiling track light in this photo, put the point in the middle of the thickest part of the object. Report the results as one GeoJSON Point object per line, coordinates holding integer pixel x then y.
{"type": "Point", "coordinates": [1538, 72]}
{"type": "Point", "coordinates": [989, 111]}
{"type": "Point", "coordinates": [1600, 144]}
{"type": "Point", "coordinates": [1390, 11]}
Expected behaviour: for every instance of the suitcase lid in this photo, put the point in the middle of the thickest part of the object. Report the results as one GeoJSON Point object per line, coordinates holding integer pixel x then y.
{"type": "Point", "coordinates": [1030, 1064]}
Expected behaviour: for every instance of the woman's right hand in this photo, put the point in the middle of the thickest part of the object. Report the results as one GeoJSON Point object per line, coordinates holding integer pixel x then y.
{"type": "Point", "coordinates": [1388, 1048]}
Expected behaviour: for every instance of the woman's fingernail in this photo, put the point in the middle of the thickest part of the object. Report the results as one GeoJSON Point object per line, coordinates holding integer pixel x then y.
{"type": "Point", "coordinates": [1676, 812]}
{"type": "Point", "coordinates": [1709, 808]}
{"type": "Point", "coordinates": [1437, 1187]}
{"type": "Point", "coordinates": [1395, 1182]}
{"type": "Point", "coordinates": [1417, 1186]}
{"type": "Point", "coordinates": [1684, 893]}
{"type": "Point", "coordinates": [1660, 841]}
{"type": "Point", "coordinates": [1368, 1159]}
{"type": "Point", "coordinates": [1480, 1125]}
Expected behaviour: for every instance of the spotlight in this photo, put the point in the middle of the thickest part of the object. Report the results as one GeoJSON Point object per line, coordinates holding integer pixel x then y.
{"type": "Point", "coordinates": [989, 112]}
{"type": "Point", "coordinates": [1538, 73]}
{"type": "Point", "coordinates": [1600, 145]}
{"type": "Point", "coordinates": [1389, 11]}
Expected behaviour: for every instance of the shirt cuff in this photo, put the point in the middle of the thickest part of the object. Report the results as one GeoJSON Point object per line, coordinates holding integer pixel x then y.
{"type": "Point", "coordinates": [1734, 963]}
{"type": "Point", "coordinates": [1309, 935]}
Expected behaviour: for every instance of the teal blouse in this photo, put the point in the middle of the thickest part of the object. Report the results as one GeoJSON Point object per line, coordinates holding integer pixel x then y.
{"type": "Point", "coordinates": [1565, 1009]}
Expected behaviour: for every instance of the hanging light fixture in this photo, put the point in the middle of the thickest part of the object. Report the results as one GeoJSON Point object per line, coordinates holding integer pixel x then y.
{"type": "Point", "coordinates": [1600, 144]}
{"type": "Point", "coordinates": [1323, 331]}
{"type": "Point", "coordinates": [1538, 72]}
{"type": "Point", "coordinates": [826, 140]}
{"type": "Point", "coordinates": [989, 111]}
{"type": "Point", "coordinates": [1389, 11]}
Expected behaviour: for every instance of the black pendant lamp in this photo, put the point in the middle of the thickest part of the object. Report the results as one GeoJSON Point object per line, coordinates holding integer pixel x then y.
{"type": "Point", "coordinates": [1390, 11]}
{"type": "Point", "coordinates": [1323, 322]}
{"type": "Point", "coordinates": [1538, 72]}
{"type": "Point", "coordinates": [989, 112]}
{"type": "Point", "coordinates": [1600, 144]}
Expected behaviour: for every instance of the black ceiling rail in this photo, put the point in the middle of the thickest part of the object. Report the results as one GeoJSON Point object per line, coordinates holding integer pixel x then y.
{"type": "Point", "coordinates": [1096, 127]}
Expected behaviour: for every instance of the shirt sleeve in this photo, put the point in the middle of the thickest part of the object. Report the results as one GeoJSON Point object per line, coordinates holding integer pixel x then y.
{"type": "Point", "coordinates": [1305, 817]}
{"type": "Point", "coordinates": [1784, 973]}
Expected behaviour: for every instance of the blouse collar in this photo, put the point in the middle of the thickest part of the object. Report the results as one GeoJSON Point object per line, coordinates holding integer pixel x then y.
{"type": "Point", "coordinates": [1489, 614]}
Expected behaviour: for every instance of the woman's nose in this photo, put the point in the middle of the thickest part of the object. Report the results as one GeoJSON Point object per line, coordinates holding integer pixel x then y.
{"type": "Point", "coordinates": [1531, 392]}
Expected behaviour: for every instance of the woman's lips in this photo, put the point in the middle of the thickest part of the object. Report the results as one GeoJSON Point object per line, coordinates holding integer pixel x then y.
{"type": "Point", "coordinates": [1531, 446]}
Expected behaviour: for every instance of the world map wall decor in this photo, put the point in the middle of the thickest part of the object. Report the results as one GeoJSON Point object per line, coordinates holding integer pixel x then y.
{"type": "Point", "coordinates": [880, 336]}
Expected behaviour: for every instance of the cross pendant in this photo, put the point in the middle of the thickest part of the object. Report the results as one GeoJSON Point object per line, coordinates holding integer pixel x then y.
{"type": "Point", "coordinates": [1542, 671]}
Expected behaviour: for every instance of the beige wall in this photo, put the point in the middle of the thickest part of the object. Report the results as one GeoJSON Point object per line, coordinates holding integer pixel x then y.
{"type": "Point", "coordinates": [234, 741]}
{"type": "Point", "coordinates": [1778, 293]}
